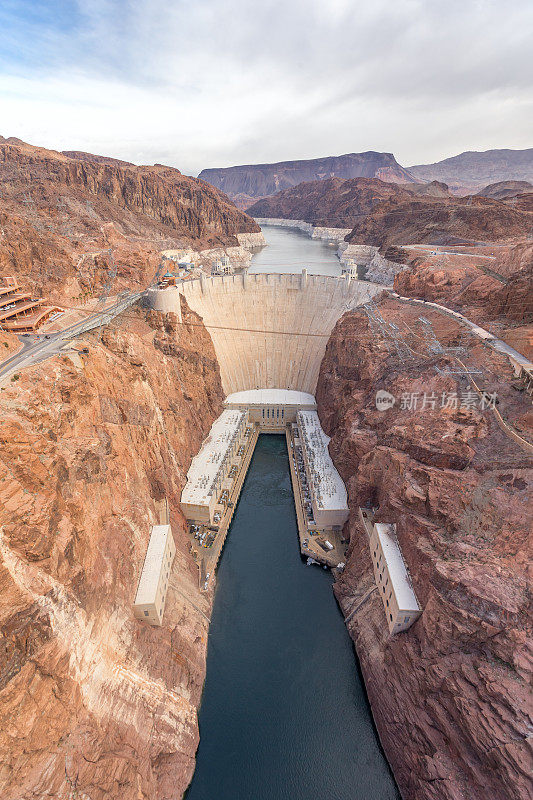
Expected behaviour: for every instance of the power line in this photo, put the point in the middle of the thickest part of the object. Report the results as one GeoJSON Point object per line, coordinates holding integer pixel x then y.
{"type": "Point", "coordinates": [200, 325]}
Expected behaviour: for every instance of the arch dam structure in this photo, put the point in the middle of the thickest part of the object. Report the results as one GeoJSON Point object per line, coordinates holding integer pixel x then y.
{"type": "Point", "coordinates": [269, 330]}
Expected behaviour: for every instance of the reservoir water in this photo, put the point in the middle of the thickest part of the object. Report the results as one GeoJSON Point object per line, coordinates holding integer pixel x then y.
{"type": "Point", "coordinates": [290, 250]}
{"type": "Point", "coordinates": [284, 714]}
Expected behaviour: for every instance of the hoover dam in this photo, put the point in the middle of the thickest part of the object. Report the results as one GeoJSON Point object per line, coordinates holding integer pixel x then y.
{"type": "Point", "coordinates": [269, 330]}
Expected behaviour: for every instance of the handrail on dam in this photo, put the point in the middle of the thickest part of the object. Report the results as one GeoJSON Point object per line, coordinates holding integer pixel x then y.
{"type": "Point", "coordinates": [296, 279]}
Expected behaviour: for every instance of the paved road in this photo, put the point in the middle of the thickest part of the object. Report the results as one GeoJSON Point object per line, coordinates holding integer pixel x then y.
{"type": "Point", "coordinates": [477, 330]}
{"type": "Point", "coordinates": [430, 249]}
{"type": "Point", "coordinates": [37, 348]}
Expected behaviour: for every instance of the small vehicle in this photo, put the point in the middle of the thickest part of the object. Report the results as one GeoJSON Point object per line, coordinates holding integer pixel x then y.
{"type": "Point", "coordinates": [47, 336]}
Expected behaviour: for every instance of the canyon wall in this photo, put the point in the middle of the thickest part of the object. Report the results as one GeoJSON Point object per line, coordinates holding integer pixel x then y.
{"type": "Point", "coordinates": [449, 696]}
{"type": "Point", "coordinates": [440, 221]}
{"type": "Point", "coordinates": [69, 223]}
{"type": "Point", "coordinates": [386, 215]}
{"type": "Point", "coordinates": [93, 703]}
{"type": "Point", "coordinates": [331, 201]}
{"type": "Point", "coordinates": [328, 234]}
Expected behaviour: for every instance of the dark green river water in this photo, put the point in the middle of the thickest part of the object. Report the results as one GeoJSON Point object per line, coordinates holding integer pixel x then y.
{"type": "Point", "coordinates": [284, 714]}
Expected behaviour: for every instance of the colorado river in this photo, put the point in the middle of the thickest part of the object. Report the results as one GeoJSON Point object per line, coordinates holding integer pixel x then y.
{"type": "Point", "coordinates": [284, 714]}
{"type": "Point", "coordinates": [290, 250]}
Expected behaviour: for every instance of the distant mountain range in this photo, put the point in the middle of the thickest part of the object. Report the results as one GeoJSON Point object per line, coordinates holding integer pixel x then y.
{"type": "Point", "coordinates": [473, 170]}
{"type": "Point", "coordinates": [390, 214]}
{"type": "Point", "coordinates": [249, 182]}
{"type": "Point", "coordinates": [465, 173]}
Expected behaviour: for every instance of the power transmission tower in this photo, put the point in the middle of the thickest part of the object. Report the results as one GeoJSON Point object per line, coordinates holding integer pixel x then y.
{"type": "Point", "coordinates": [432, 343]}
{"type": "Point", "coordinates": [388, 331]}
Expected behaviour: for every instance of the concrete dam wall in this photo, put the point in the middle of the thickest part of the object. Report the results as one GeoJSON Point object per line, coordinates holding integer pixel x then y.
{"type": "Point", "coordinates": [270, 330]}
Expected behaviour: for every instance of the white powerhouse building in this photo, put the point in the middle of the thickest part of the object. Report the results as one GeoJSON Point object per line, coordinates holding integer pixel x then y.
{"type": "Point", "coordinates": [152, 590]}
{"type": "Point", "coordinates": [327, 491]}
{"type": "Point", "coordinates": [392, 578]}
{"type": "Point", "coordinates": [207, 474]}
{"type": "Point", "coordinates": [271, 409]}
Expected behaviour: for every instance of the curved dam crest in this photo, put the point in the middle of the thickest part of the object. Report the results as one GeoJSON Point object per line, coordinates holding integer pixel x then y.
{"type": "Point", "coordinates": [270, 330]}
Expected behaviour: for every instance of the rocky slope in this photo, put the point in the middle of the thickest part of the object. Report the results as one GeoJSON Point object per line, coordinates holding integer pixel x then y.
{"type": "Point", "coordinates": [504, 190]}
{"type": "Point", "coordinates": [495, 292]}
{"type": "Point", "coordinates": [56, 209]}
{"type": "Point", "coordinates": [448, 221]}
{"type": "Point", "coordinates": [464, 284]}
{"type": "Point", "coordinates": [259, 180]}
{"type": "Point", "coordinates": [9, 344]}
{"type": "Point", "coordinates": [332, 202]}
{"type": "Point", "coordinates": [94, 704]}
{"type": "Point", "coordinates": [82, 156]}
{"type": "Point", "coordinates": [387, 215]}
{"type": "Point", "coordinates": [449, 696]}
{"type": "Point", "coordinates": [472, 170]}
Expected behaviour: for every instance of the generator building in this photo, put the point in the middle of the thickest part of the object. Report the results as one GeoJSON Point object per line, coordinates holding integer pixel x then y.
{"type": "Point", "coordinates": [207, 475]}
{"type": "Point", "coordinates": [326, 488]}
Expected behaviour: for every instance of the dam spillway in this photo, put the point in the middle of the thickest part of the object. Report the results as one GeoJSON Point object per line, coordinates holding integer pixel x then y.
{"type": "Point", "coordinates": [270, 330]}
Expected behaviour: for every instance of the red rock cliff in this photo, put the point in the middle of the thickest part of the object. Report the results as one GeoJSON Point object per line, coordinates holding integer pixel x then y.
{"type": "Point", "coordinates": [450, 695]}
{"type": "Point", "coordinates": [94, 704]}
{"type": "Point", "coordinates": [55, 208]}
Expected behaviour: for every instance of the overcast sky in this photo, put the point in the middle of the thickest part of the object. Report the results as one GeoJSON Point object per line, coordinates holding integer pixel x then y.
{"type": "Point", "coordinates": [204, 83]}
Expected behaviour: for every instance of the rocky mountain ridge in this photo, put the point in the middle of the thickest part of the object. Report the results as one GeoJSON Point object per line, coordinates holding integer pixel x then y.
{"type": "Point", "coordinates": [504, 190]}
{"type": "Point", "coordinates": [332, 202]}
{"type": "Point", "coordinates": [246, 182]}
{"type": "Point", "coordinates": [54, 209]}
{"type": "Point", "coordinates": [441, 221]}
{"type": "Point", "coordinates": [471, 170]}
{"type": "Point", "coordinates": [465, 173]}
{"type": "Point", "coordinates": [387, 215]}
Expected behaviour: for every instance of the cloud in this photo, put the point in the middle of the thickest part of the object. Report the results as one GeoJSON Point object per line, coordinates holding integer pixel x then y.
{"type": "Point", "coordinates": [214, 82]}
